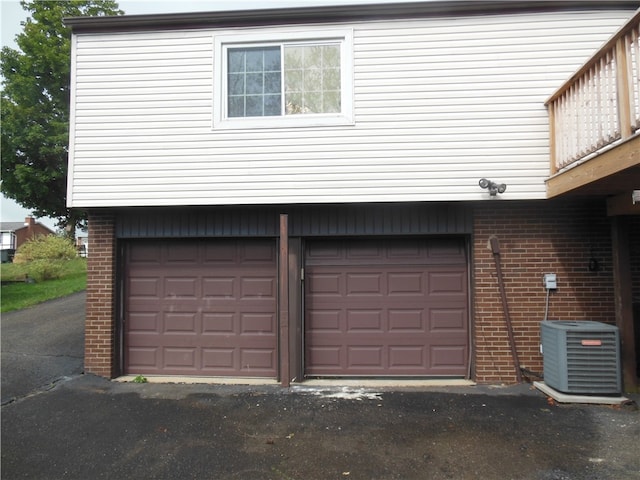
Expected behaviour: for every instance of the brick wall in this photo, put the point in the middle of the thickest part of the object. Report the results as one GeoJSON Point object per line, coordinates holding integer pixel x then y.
{"type": "Point", "coordinates": [537, 238]}
{"type": "Point", "coordinates": [100, 342]}
{"type": "Point", "coordinates": [634, 254]}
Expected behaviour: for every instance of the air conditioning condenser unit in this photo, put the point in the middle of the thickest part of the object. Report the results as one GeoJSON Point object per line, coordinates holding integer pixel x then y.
{"type": "Point", "coordinates": [581, 357]}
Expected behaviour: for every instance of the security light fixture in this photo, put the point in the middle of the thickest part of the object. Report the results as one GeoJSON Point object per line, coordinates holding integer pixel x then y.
{"type": "Point", "coordinates": [493, 187]}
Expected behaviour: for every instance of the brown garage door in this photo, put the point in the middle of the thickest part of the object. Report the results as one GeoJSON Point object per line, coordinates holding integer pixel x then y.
{"type": "Point", "coordinates": [201, 307]}
{"type": "Point", "coordinates": [386, 307]}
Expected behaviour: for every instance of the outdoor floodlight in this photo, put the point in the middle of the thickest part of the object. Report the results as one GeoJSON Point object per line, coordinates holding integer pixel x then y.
{"type": "Point", "coordinates": [494, 188]}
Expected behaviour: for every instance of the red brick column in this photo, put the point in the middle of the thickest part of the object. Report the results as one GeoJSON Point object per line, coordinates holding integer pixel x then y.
{"type": "Point", "coordinates": [99, 350]}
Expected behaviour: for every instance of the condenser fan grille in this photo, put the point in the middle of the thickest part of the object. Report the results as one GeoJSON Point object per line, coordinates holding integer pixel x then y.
{"type": "Point", "coordinates": [581, 357]}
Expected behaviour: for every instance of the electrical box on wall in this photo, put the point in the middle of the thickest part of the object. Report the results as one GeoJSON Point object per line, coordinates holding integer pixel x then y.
{"type": "Point", "coordinates": [550, 281]}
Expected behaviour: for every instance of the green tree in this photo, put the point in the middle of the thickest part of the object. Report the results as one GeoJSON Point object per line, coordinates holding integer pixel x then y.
{"type": "Point", "coordinates": [35, 107]}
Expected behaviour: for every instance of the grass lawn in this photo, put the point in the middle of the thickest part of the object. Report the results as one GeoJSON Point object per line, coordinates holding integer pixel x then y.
{"type": "Point", "coordinates": [14, 296]}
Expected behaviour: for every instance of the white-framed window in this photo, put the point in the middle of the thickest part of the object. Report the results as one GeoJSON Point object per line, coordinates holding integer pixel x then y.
{"type": "Point", "coordinates": [283, 79]}
{"type": "Point", "coordinates": [8, 240]}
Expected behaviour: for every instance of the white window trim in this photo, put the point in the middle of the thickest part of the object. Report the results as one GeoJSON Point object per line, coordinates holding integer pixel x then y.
{"type": "Point", "coordinates": [222, 42]}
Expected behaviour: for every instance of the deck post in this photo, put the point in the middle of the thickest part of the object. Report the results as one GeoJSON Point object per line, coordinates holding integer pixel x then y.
{"type": "Point", "coordinates": [623, 300]}
{"type": "Point", "coordinates": [623, 84]}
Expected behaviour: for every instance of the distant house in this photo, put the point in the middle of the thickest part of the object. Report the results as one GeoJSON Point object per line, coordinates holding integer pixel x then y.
{"type": "Point", "coordinates": [82, 245]}
{"type": "Point", "coordinates": [14, 234]}
{"type": "Point", "coordinates": [318, 192]}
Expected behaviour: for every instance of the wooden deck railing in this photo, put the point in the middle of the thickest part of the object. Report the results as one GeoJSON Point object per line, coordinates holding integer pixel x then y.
{"type": "Point", "coordinates": [600, 104]}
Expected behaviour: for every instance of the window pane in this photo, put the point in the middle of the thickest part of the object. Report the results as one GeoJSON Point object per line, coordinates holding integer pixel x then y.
{"type": "Point", "coordinates": [236, 84]}
{"type": "Point", "coordinates": [272, 82]}
{"type": "Point", "coordinates": [313, 102]}
{"type": "Point", "coordinates": [236, 61]}
{"type": "Point", "coordinates": [253, 82]}
{"type": "Point", "coordinates": [293, 57]}
{"type": "Point", "coordinates": [272, 105]}
{"type": "Point", "coordinates": [331, 56]}
{"type": "Point", "coordinates": [294, 80]}
{"type": "Point", "coordinates": [312, 79]}
{"type": "Point", "coordinates": [331, 79]}
{"type": "Point", "coordinates": [294, 104]}
{"type": "Point", "coordinates": [272, 59]}
{"type": "Point", "coordinates": [331, 102]}
{"type": "Point", "coordinates": [313, 57]}
{"type": "Point", "coordinates": [236, 107]}
{"type": "Point", "coordinates": [255, 60]}
{"type": "Point", "coordinates": [254, 106]}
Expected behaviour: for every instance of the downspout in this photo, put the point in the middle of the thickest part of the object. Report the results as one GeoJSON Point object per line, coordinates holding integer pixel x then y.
{"type": "Point", "coordinates": [495, 249]}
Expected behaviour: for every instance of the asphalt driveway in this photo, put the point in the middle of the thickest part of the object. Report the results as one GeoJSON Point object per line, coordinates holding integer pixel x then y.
{"type": "Point", "coordinates": [41, 344]}
{"type": "Point", "coordinates": [83, 426]}
{"type": "Point", "coordinates": [89, 427]}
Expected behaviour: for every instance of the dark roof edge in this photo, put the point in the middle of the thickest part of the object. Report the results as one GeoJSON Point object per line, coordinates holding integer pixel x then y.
{"type": "Point", "coordinates": [279, 16]}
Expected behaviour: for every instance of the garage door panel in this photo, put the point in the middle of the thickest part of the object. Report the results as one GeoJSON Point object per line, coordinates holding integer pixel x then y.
{"type": "Point", "coordinates": [325, 284]}
{"type": "Point", "coordinates": [402, 312]}
{"type": "Point", "coordinates": [161, 340]}
{"type": "Point", "coordinates": [175, 288]}
{"type": "Point", "coordinates": [222, 252]}
{"type": "Point", "coordinates": [362, 251]}
{"type": "Point", "coordinates": [447, 283]}
{"type": "Point", "coordinates": [205, 307]}
{"type": "Point", "coordinates": [217, 287]}
{"type": "Point", "coordinates": [180, 323]}
{"type": "Point", "coordinates": [144, 357]}
{"type": "Point", "coordinates": [407, 357]}
{"type": "Point", "coordinates": [404, 252]}
{"type": "Point", "coordinates": [256, 254]}
{"type": "Point", "coordinates": [257, 361]}
{"type": "Point", "coordinates": [406, 320]}
{"type": "Point", "coordinates": [144, 322]}
{"type": "Point", "coordinates": [325, 357]}
{"type": "Point", "coordinates": [323, 320]}
{"type": "Point", "coordinates": [450, 249]}
{"type": "Point", "coordinates": [448, 358]}
{"type": "Point", "coordinates": [144, 288]}
{"type": "Point", "coordinates": [180, 358]}
{"type": "Point", "coordinates": [218, 360]}
{"type": "Point", "coordinates": [387, 251]}
{"type": "Point", "coordinates": [257, 323]}
{"type": "Point", "coordinates": [370, 283]}
{"type": "Point", "coordinates": [364, 281]}
{"type": "Point", "coordinates": [320, 253]}
{"type": "Point", "coordinates": [447, 320]}
{"type": "Point", "coordinates": [368, 357]}
{"type": "Point", "coordinates": [261, 287]}
{"type": "Point", "coordinates": [218, 323]}
{"type": "Point", "coordinates": [406, 283]}
{"type": "Point", "coordinates": [182, 253]}
{"type": "Point", "coordinates": [362, 321]}
{"type": "Point", "coordinates": [145, 254]}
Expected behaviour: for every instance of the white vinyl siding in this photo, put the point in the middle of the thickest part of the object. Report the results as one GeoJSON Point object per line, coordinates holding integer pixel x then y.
{"type": "Point", "coordinates": [438, 104]}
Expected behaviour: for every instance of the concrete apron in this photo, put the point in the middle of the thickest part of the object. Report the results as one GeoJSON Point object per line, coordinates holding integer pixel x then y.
{"type": "Point", "coordinates": [568, 398]}
{"type": "Point", "coordinates": [367, 383]}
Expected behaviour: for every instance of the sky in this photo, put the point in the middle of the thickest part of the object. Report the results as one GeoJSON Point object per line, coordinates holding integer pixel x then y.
{"type": "Point", "coordinates": [12, 15]}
